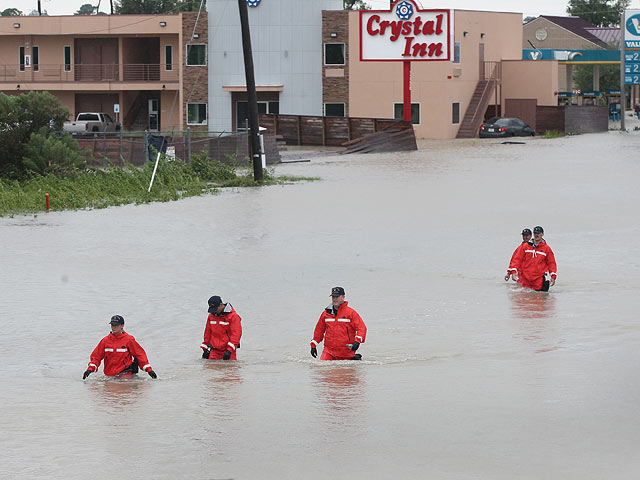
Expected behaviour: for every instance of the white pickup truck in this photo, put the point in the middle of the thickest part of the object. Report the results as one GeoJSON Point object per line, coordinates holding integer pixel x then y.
{"type": "Point", "coordinates": [87, 123]}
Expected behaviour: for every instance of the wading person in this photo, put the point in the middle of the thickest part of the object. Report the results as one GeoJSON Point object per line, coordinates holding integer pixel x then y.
{"type": "Point", "coordinates": [526, 236]}
{"type": "Point", "coordinates": [342, 329]}
{"type": "Point", "coordinates": [223, 331]}
{"type": "Point", "coordinates": [120, 352]}
{"type": "Point", "coordinates": [533, 261]}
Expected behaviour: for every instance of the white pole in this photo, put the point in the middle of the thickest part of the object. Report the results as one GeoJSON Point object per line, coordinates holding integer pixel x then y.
{"type": "Point", "coordinates": [153, 175]}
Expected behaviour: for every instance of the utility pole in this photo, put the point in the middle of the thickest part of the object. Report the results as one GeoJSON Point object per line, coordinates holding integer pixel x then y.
{"type": "Point", "coordinates": [39, 9]}
{"type": "Point", "coordinates": [111, 1]}
{"type": "Point", "coordinates": [251, 91]}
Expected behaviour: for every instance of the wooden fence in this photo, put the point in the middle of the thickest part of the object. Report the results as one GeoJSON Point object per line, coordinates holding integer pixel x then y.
{"type": "Point", "coordinates": [325, 131]}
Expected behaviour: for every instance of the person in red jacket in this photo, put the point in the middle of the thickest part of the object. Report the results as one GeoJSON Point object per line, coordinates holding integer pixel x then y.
{"type": "Point", "coordinates": [342, 329]}
{"type": "Point", "coordinates": [512, 271]}
{"type": "Point", "coordinates": [223, 331]}
{"type": "Point", "coordinates": [120, 352]}
{"type": "Point", "coordinates": [533, 261]}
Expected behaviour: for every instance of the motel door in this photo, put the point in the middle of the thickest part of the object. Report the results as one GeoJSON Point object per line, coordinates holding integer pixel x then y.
{"type": "Point", "coordinates": [154, 119]}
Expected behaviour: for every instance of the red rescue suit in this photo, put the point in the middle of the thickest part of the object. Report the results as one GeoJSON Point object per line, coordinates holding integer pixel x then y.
{"type": "Point", "coordinates": [512, 270]}
{"type": "Point", "coordinates": [532, 262]}
{"type": "Point", "coordinates": [223, 333]}
{"type": "Point", "coordinates": [345, 327]}
{"type": "Point", "coordinates": [118, 352]}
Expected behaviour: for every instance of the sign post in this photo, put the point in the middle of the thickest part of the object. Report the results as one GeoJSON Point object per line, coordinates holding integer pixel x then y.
{"type": "Point", "coordinates": [406, 33]}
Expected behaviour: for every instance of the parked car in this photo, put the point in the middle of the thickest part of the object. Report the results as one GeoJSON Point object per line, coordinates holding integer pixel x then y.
{"type": "Point", "coordinates": [505, 127]}
{"type": "Point", "coordinates": [87, 123]}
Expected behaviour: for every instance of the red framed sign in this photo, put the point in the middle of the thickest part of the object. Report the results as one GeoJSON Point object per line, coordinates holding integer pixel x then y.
{"type": "Point", "coordinates": [406, 32]}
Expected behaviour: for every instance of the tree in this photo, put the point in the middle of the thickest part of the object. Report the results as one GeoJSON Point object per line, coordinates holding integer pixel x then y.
{"type": "Point", "coordinates": [86, 9]}
{"type": "Point", "coordinates": [609, 77]}
{"type": "Point", "coordinates": [528, 19]}
{"type": "Point", "coordinates": [20, 116]}
{"type": "Point", "coordinates": [356, 5]}
{"type": "Point", "coordinates": [125, 7]}
{"type": "Point", "coordinates": [11, 12]}
{"type": "Point", "coordinates": [601, 13]}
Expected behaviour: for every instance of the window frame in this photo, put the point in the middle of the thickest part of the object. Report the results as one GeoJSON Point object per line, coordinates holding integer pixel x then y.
{"type": "Point", "coordinates": [186, 57]}
{"type": "Point", "coordinates": [67, 66]}
{"type": "Point", "coordinates": [457, 48]}
{"type": "Point", "coordinates": [35, 58]}
{"type": "Point", "coordinates": [413, 104]}
{"type": "Point", "coordinates": [453, 112]}
{"type": "Point", "coordinates": [206, 112]}
{"type": "Point", "coordinates": [344, 54]}
{"type": "Point", "coordinates": [344, 109]}
{"type": "Point", "coordinates": [168, 58]}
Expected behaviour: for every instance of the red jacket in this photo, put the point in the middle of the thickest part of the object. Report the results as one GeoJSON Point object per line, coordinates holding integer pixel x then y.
{"type": "Point", "coordinates": [118, 352]}
{"type": "Point", "coordinates": [532, 262]}
{"type": "Point", "coordinates": [223, 331]}
{"type": "Point", "coordinates": [512, 270]}
{"type": "Point", "coordinates": [339, 330]}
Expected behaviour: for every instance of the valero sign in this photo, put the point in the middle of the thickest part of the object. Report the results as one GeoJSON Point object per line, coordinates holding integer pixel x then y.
{"type": "Point", "coordinates": [405, 33]}
{"type": "Point", "coordinates": [632, 29]}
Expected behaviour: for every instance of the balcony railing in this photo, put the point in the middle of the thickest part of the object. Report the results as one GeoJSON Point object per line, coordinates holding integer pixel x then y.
{"type": "Point", "coordinates": [60, 73]}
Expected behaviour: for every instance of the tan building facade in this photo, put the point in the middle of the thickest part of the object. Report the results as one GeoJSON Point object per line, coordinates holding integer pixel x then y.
{"type": "Point", "coordinates": [154, 67]}
{"type": "Point", "coordinates": [441, 91]}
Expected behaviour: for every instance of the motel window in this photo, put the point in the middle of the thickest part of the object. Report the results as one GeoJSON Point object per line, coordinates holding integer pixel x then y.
{"type": "Point", "coordinates": [196, 113]}
{"type": "Point", "coordinates": [456, 52]}
{"type": "Point", "coordinates": [334, 54]}
{"type": "Point", "coordinates": [398, 112]}
{"type": "Point", "coordinates": [21, 54]}
{"type": "Point", "coordinates": [67, 58]}
{"type": "Point", "coordinates": [455, 112]}
{"type": "Point", "coordinates": [196, 55]}
{"type": "Point", "coordinates": [242, 111]}
{"type": "Point", "coordinates": [334, 109]}
{"type": "Point", "coordinates": [36, 58]}
{"type": "Point", "coordinates": [168, 58]}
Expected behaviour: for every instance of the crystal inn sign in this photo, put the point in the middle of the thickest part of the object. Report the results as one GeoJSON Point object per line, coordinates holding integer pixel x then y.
{"type": "Point", "coordinates": [406, 33]}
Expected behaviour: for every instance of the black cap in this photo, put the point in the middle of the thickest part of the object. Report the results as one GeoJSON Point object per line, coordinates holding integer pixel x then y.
{"type": "Point", "coordinates": [117, 320]}
{"type": "Point", "coordinates": [538, 229]}
{"type": "Point", "coordinates": [214, 303]}
{"type": "Point", "coordinates": [337, 291]}
{"type": "Point", "coordinates": [526, 231]}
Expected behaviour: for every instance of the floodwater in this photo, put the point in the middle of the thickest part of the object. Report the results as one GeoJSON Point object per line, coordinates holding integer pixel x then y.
{"type": "Point", "coordinates": [464, 376]}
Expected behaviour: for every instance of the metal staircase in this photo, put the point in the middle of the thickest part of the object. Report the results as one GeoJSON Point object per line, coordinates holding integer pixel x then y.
{"type": "Point", "coordinates": [487, 86]}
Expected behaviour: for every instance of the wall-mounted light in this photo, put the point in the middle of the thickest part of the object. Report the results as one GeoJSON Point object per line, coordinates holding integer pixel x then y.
{"type": "Point", "coordinates": [482, 35]}
{"type": "Point", "coordinates": [465, 33]}
{"type": "Point", "coordinates": [196, 35]}
{"type": "Point", "coordinates": [333, 34]}
{"type": "Point", "coordinates": [164, 86]}
{"type": "Point", "coordinates": [17, 87]}
{"type": "Point", "coordinates": [163, 24]}
{"type": "Point", "coordinates": [16, 25]}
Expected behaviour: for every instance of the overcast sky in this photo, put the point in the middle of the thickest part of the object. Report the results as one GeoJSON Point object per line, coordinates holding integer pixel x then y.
{"type": "Point", "coordinates": [527, 7]}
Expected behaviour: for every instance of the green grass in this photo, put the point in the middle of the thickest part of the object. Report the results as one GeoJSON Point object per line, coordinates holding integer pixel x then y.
{"type": "Point", "coordinates": [553, 134]}
{"type": "Point", "coordinates": [101, 188]}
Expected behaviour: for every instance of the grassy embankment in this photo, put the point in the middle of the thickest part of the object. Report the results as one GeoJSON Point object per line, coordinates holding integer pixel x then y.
{"type": "Point", "coordinates": [101, 188]}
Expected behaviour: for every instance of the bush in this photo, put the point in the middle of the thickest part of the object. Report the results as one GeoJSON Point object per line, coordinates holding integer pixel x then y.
{"type": "Point", "coordinates": [46, 153]}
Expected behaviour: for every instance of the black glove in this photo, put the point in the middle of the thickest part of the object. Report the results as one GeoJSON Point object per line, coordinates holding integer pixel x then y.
{"type": "Point", "coordinates": [152, 374]}
{"type": "Point", "coordinates": [227, 355]}
{"type": "Point", "coordinates": [355, 345]}
{"type": "Point", "coordinates": [314, 352]}
{"type": "Point", "coordinates": [205, 353]}
{"type": "Point", "coordinates": [86, 374]}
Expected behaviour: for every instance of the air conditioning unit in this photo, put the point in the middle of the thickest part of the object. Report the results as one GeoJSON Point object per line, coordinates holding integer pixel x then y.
{"type": "Point", "coordinates": [457, 72]}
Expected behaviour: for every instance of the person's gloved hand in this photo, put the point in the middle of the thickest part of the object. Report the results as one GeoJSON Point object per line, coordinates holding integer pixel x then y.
{"type": "Point", "coordinates": [314, 352]}
{"type": "Point", "coordinates": [506, 277]}
{"type": "Point", "coordinates": [152, 374]}
{"type": "Point", "coordinates": [207, 352]}
{"type": "Point", "coordinates": [355, 345]}
{"type": "Point", "coordinates": [86, 374]}
{"type": "Point", "coordinates": [227, 355]}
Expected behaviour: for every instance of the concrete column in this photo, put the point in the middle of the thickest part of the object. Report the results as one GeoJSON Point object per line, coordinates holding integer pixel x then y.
{"type": "Point", "coordinates": [596, 76]}
{"type": "Point", "coordinates": [569, 70]}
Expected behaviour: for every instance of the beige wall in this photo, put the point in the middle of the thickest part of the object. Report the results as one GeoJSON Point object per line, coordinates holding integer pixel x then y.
{"type": "Point", "coordinates": [527, 79]}
{"type": "Point", "coordinates": [375, 86]}
{"type": "Point", "coordinates": [557, 37]}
